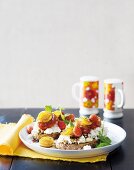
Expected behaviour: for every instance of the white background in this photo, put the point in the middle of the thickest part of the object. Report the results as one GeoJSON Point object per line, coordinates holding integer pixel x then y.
{"type": "Point", "coordinates": [46, 45]}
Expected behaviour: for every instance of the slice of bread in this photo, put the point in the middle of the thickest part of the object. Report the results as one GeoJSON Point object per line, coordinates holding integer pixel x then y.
{"type": "Point", "coordinates": [76, 146]}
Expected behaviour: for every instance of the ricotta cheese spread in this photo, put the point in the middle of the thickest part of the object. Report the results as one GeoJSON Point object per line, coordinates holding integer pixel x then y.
{"type": "Point", "coordinates": [64, 139]}
{"type": "Point", "coordinates": [53, 129]}
{"type": "Point", "coordinates": [86, 147]}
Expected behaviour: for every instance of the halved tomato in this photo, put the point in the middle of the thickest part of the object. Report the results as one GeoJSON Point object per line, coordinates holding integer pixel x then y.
{"type": "Point", "coordinates": [49, 124]}
{"type": "Point", "coordinates": [42, 125]}
{"type": "Point", "coordinates": [85, 129]}
{"type": "Point", "coordinates": [52, 121]}
{"type": "Point", "coordinates": [29, 129]}
{"type": "Point", "coordinates": [61, 124]}
{"type": "Point", "coordinates": [96, 121]}
{"type": "Point", "coordinates": [70, 117]}
{"type": "Point", "coordinates": [77, 131]}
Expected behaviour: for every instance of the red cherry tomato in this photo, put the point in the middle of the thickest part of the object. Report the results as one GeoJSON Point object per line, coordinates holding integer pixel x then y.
{"type": "Point", "coordinates": [85, 129]}
{"type": "Point", "coordinates": [42, 125]}
{"type": "Point", "coordinates": [29, 129]}
{"type": "Point", "coordinates": [96, 121]}
{"type": "Point", "coordinates": [52, 121]}
{"type": "Point", "coordinates": [49, 124]}
{"type": "Point", "coordinates": [77, 131]}
{"type": "Point", "coordinates": [70, 117]}
{"type": "Point", "coordinates": [61, 124]}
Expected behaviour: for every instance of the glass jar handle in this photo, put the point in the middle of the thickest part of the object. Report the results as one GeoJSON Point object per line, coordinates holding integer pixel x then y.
{"type": "Point", "coordinates": [122, 97]}
{"type": "Point", "coordinates": [77, 98]}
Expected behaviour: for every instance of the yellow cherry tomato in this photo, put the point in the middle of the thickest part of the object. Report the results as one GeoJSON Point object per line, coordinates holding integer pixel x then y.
{"type": "Point", "coordinates": [85, 121]}
{"type": "Point", "coordinates": [68, 131]}
{"type": "Point", "coordinates": [57, 113]}
{"type": "Point", "coordinates": [46, 141]}
{"type": "Point", "coordinates": [44, 116]}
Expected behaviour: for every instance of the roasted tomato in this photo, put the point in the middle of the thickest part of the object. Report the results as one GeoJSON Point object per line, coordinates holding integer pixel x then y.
{"type": "Point", "coordinates": [70, 117]}
{"type": "Point", "coordinates": [48, 124]}
{"type": "Point", "coordinates": [52, 121]}
{"type": "Point", "coordinates": [42, 125]}
{"type": "Point", "coordinates": [96, 121]}
{"type": "Point", "coordinates": [61, 124]}
{"type": "Point", "coordinates": [85, 129]}
{"type": "Point", "coordinates": [77, 131]}
{"type": "Point", "coordinates": [29, 129]}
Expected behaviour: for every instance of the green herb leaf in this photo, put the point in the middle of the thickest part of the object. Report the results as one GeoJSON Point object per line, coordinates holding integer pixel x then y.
{"type": "Point", "coordinates": [48, 108]}
{"type": "Point", "coordinates": [71, 124]}
{"type": "Point", "coordinates": [104, 140]}
{"type": "Point", "coordinates": [62, 116]}
{"type": "Point", "coordinates": [102, 145]}
{"type": "Point", "coordinates": [66, 121]}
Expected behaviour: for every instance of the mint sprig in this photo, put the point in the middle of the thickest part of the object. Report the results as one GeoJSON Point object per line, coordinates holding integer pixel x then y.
{"type": "Point", "coordinates": [104, 140]}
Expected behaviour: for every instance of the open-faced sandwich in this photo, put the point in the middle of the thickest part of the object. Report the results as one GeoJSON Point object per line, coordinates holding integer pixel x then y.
{"type": "Point", "coordinates": [49, 123]}
{"type": "Point", "coordinates": [83, 132]}
{"type": "Point", "coordinates": [64, 131]}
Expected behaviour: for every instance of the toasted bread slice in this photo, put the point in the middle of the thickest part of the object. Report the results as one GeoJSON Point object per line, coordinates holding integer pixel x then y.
{"type": "Point", "coordinates": [76, 146]}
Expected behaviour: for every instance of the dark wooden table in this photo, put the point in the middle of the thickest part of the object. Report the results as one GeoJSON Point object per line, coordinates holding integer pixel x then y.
{"type": "Point", "coordinates": [120, 159]}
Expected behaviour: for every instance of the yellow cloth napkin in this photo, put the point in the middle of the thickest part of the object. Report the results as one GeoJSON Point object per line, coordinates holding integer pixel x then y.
{"type": "Point", "coordinates": [11, 145]}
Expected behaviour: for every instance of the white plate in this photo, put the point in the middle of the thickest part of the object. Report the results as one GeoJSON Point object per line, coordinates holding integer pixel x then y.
{"type": "Point", "coordinates": [115, 133]}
